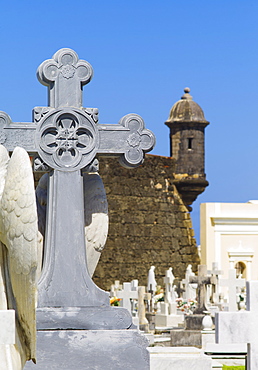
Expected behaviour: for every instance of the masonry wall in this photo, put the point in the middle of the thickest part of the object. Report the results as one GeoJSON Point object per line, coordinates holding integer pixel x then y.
{"type": "Point", "coordinates": [189, 155]}
{"type": "Point", "coordinates": [149, 224]}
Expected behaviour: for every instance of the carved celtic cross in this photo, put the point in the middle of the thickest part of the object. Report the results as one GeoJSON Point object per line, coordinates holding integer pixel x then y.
{"type": "Point", "coordinates": [67, 137]}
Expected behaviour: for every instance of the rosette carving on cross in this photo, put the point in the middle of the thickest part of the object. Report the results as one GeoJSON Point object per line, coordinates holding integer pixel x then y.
{"type": "Point", "coordinates": [139, 141]}
{"type": "Point", "coordinates": [67, 139]}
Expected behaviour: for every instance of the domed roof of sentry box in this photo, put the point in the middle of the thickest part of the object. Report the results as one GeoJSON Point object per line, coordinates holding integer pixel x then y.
{"type": "Point", "coordinates": [186, 110]}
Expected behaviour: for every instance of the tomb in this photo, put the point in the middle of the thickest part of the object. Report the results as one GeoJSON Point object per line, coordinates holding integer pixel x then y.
{"type": "Point", "coordinates": [241, 326]}
{"type": "Point", "coordinates": [184, 358]}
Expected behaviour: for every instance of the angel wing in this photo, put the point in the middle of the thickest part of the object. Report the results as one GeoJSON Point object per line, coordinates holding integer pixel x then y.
{"type": "Point", "coordinates": [95, 215]}
{"type": "Point", "coordinates": [4, 160]}
{"type": "Point", "coordinates": [41, 200]}
{"type": "Point", "coordinates": [19, 233]}
{"type": "Point", "coordinates": [96, 218]}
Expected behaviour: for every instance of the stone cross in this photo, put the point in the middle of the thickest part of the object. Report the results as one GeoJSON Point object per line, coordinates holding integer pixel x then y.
{"type": "Point", "coordinates": [67, 138]}
{"type": "Point", "coordinates": [202, 280]}
{"type": "Point", "coordinates": [126, 295]}
{"type": "Point", "coordinates": [134, 287]}
{"type": "Point", "coordinates": [179, 289]}
{"type": "Point", "coordinates": [241, 326]}
{"type": "Point", "coordinates": [215, 272]}
{"type": "Point", "coordinates": [232, 283]}
{"type": "Point", "coordinates": [134, 284]}
{"type": "Point", "coordinates": [115, 287]}
{"type": "Point", "coordinates": [215, 269]}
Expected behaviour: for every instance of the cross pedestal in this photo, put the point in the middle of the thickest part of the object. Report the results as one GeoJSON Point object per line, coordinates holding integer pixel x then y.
{"type": "Point", "coordinates": [241, 326]}
{"type": "Point", "coordinates": [67, 138]}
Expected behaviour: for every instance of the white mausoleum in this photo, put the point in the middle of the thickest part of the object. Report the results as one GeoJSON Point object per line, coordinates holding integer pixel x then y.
{"type": "Point", "coordinates": [229, 236]}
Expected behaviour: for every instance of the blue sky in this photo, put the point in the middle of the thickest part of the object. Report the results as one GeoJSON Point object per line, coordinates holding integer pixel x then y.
{"type": "Point", "coordinates": [143, 54]}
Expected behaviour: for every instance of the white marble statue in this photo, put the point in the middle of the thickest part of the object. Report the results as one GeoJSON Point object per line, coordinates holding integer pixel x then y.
{"type": "Point", "coordinates": [174, 294]}
{"type": "Point", "coordinates": [168, 281]}
{"type": "Point", "coordinates": [18, 255]}
{"type": "Point", "coordinates": [152, 284]}
{"type": "Point", "coordinates": [190, 288]}
{"type": "Point", "coordinates": [95, 215]}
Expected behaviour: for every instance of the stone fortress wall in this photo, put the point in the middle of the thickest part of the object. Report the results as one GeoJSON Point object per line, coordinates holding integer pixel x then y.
{"type": "Point", "coordinates": [149, 223]}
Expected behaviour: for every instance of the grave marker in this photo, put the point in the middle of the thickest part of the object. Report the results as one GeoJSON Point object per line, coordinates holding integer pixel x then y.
{"type": "Point", "coordinates": [202, 280]}
{"type": "Point", "coordinates": [168, 281]}
{"type": "Point", "coordinates": [142, 297]}
{"type": "Point", "coordinates": [190, 289]}
{"type": "Point", "coordinates": [232, 283]}
{"type": "Point", "coordinates": [241, 326]}
{"type": "Point", "coordinates": [126, 295]}
{"type": "Point", "coordinates": [179, 289]}
{"type": "Point", "coordinates": [215, 272]}
{"type": "Point", "coordinates": [115, 287]}
{"type": "Point", "coordinates": [67, 138]}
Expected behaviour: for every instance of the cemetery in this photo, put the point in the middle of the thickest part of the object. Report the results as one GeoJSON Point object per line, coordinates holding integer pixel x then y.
{"type": "Point", "coordinates": [59, 307]}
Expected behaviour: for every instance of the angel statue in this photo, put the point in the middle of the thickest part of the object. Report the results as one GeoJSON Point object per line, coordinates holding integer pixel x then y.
{"type": "Point", "coordinates": [22, 225]}
{"type": "Point", "coordinates": [19, 255]}
{"type": "Point", "coordinates": [95, 214]}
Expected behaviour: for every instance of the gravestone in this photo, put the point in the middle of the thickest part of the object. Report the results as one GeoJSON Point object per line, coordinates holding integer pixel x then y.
{"type": "Point", "coordinates": [202, 280]}
{"type": "Point", "coordinates": [232, 283]}
{"type": "Point", "coordinates": [169, 290]}
{"type": "Point", "coordinates": [151, 288]}
{"type": "Point", "coordinates": [134, 287]}
{"type": "Point", "coordinates": [142, 298]}
{"type": "Point", "coordinates": [152, 284]}
{"type": "Point", "coordinates": [115, 288]}
{"type": "Point", "coordinates": [167, 317]}
{"type": "Point", "coordinates": [134, 284]}
{"type": "Point", "coordinates": [179, 358]}
{"type": "Point", "coordinates": [76, 326]}
{"type": "Point", "coordinates": [180, 290]}
{"type": "Point", "coordinates": [241, 326]}
{"type": "Point", "coordinates": [215, 272]}
{"type": "Point", "coordinates": [190, 289]}
{"type": "Point", "coordinates": [126, 295]}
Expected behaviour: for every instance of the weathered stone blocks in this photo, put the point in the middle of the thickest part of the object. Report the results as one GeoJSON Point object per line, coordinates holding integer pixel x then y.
{"type": "Point", "coordinates": [149, 223]}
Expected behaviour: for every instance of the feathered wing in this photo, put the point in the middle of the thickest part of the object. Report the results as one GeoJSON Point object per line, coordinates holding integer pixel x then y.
{"type": "Point", "coordinates": [96, 218]}
{"type": "Point", "coordinates": [19, 232]}
{"type": "Point", "coordinates": [4, 160]}
{"type": "Point", "coordinates": [41, 199]}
